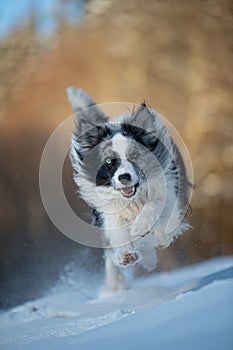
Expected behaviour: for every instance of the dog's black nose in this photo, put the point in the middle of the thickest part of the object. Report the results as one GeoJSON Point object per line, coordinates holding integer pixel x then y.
{"type": "Point", "coordinates": [124, 178]}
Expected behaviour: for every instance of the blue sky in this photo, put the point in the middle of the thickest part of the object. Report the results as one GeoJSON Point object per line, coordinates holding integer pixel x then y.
{"type": "Point", "coordinates": [13, 12]}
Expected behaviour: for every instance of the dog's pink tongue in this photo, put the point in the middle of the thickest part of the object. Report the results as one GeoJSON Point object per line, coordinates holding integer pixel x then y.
{"type": "Point", "coordinates": [128, 191]}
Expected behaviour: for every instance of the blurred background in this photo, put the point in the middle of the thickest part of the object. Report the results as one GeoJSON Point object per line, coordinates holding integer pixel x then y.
{"type": "Point", "coordinates": [175, 54]}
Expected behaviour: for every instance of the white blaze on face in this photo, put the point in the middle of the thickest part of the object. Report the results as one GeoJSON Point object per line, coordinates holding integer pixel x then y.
{"type": "Point", "coordinates": [120, 144]}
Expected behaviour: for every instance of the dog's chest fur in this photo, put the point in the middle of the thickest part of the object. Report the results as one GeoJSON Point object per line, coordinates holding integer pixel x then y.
{"type": "Point", "coordinates": [125, 213]}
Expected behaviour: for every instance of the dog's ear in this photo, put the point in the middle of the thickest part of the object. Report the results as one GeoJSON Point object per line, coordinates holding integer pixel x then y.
{"type": "Point", "coordinates": [143, 118]}
{"type": "Point", "coordinates": [87, 114]}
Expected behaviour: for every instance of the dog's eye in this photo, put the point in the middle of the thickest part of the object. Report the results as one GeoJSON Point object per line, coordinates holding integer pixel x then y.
{"type": "Point", "coordinates": [133, 155]}
{"type": "Point", "coordinates": [108, 161]}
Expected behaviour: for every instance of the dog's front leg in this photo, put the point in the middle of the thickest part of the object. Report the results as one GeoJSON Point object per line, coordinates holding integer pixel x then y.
{"type": "Point", "coordinates": [114, 279]}
{"type": "Point", "coordinates": [145, 221]}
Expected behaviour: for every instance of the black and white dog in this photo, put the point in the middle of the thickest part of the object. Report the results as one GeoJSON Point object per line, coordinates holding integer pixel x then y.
{"type": "Point", "coordinates": [131, 173]}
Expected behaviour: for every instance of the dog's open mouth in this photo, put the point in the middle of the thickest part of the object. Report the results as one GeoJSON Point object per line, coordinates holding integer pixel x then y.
{"type": "Point", "coordinates": [129, 191]}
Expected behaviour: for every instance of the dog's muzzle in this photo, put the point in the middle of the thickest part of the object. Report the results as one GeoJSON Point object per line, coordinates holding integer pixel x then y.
{"type": "Point", "coordinates": [127, 189]}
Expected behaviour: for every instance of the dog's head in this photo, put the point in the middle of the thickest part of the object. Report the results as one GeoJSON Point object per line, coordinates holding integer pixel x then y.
{"type": "Point", "coordinates": [114, 160]}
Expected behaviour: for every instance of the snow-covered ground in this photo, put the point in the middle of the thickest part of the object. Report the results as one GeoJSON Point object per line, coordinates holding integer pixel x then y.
{"type": "Point", "coordinates": [189, 308]}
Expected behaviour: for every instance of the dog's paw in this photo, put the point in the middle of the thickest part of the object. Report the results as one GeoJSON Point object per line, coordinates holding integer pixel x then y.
{"type": "Point", "coordinates": [129, 259]}
{"type": "Point", "coordinates": [140, 228]}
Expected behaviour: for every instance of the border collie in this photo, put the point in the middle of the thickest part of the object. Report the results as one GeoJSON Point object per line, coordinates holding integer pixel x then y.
{"type": "Point", "coordinates": [131, 173]}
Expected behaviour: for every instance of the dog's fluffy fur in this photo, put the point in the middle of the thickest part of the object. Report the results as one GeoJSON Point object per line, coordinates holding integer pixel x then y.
{"type": "Point", "coordinates": [132, 175]}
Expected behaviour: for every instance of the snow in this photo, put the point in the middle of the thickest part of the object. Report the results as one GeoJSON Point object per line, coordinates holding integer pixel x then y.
{"type": "Point", "coordinates": [189, 308]}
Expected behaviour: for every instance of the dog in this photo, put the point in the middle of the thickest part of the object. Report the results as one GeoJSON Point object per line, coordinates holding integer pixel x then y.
{"type": "Point", "coordinates": [132, 175]}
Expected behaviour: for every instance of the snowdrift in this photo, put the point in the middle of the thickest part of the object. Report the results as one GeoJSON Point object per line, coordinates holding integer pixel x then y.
{"type": "Point", "coordinates": [189, 308]}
